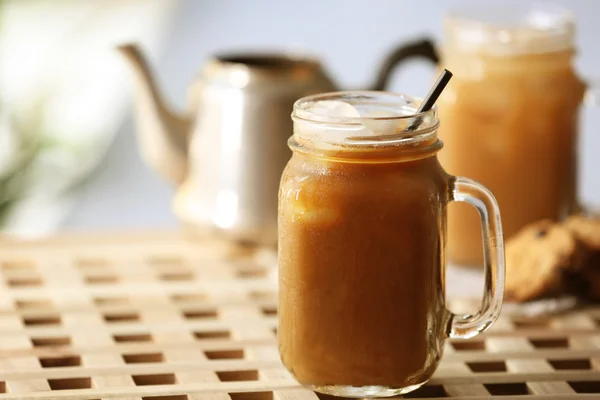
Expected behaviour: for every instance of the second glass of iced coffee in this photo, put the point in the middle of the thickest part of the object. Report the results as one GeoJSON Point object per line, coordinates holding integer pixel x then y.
{"type": "Point", "coordinates": [510, 116]}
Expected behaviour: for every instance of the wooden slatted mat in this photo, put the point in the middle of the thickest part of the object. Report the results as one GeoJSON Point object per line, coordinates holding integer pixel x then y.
{"type": "Point", "coordinates": [164, 317]}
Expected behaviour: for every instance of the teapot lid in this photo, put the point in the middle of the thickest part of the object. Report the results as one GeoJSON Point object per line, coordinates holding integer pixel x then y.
{"type": "Point", "coordinates": [243, 68]}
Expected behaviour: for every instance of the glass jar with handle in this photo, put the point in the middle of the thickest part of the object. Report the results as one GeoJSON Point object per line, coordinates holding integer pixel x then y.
{"type": "Point", "coordinates": [362, 238]}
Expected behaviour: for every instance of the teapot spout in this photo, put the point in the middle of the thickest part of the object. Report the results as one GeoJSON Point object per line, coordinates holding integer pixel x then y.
{"type": "Point", "coordinates": [162, 133]}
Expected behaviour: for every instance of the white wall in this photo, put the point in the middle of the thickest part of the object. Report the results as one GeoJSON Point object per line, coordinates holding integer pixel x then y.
{"type": "Point", "coordinates": [351, 36]}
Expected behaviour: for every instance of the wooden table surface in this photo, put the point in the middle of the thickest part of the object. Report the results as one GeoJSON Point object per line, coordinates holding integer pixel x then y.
{"type": "Point", "coordinates": [166, 317]}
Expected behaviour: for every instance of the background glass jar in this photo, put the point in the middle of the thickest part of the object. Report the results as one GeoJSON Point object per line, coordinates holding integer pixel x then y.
{"type": "Point", "coordinates": [510, 118]}
{"type": "Point", "coordinates": [362, 234]}
{"type": "Point", "coordinates": [510, 115]}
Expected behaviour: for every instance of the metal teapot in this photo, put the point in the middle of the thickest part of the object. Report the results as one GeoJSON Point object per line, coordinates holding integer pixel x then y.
{"type": "Point", "coordinates": [226, 153]}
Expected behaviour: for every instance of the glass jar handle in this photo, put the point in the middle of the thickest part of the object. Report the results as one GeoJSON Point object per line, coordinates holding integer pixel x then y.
{"type": "Point", "coordinates": [465, 326]}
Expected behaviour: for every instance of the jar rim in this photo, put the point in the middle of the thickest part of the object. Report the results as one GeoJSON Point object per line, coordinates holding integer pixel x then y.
{"type": "Point", "coordinates": [404, 107]}
{"type": "Point", "coordinates": [376, 119]}
{"type": "Point", "coordinates": [504, 30]}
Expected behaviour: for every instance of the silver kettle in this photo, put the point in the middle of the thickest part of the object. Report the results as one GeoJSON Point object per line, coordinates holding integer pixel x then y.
{"type": "Point", "coordinates": [227, 151]}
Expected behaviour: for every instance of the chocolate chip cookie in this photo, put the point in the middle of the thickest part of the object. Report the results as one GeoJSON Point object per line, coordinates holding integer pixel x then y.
{"type": "Point", "coordinates": [587, 231]}
{"type": "Point", "coordinates": [539, 259]}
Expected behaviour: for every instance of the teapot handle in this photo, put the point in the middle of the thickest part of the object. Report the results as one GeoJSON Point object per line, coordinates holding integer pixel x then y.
{"type": "Point", "coordinates": [423, 48]}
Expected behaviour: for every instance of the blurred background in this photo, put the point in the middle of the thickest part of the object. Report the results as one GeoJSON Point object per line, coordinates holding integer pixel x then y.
{"type": "Point", "coordinates": [68, 152]}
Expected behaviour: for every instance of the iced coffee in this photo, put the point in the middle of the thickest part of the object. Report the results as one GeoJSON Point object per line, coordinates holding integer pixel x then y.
{"type": "Point", "coordinates": [509, 117]}
{"type": "Point", "coordinates": [362, 236]}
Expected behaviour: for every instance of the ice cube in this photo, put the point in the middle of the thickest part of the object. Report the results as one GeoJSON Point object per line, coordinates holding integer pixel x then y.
{"type": "Point", "coordinates": [378, 127]}
{"type": "Point", "coordinates": [322, 216]}
{"type": "Point", "coordinates": [302, 203]}
{"type": "Point", "coordinates": [328, 111]}
{"type": "Point", "coordinates": [332, 109]}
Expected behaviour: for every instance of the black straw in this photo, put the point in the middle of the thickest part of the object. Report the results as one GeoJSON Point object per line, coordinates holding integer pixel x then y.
{"type": "Point", "coordinates": [437, 89]}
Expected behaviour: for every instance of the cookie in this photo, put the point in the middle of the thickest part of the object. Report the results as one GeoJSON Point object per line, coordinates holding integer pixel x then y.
{"type": "Point", "coordinates": [585, 283]}
{"type": "Point", "coordinates": [539, 258]}
{"type": "Point", "coordinates": [586, 229]}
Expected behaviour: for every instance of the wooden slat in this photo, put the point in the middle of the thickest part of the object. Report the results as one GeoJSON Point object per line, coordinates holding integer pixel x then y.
{"type": "Point", "coordinates": [137, 315]}
{"type": "Point", "coordinates": [524, 366]}
{"type": "Point", "coordinates": [164, 312]}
